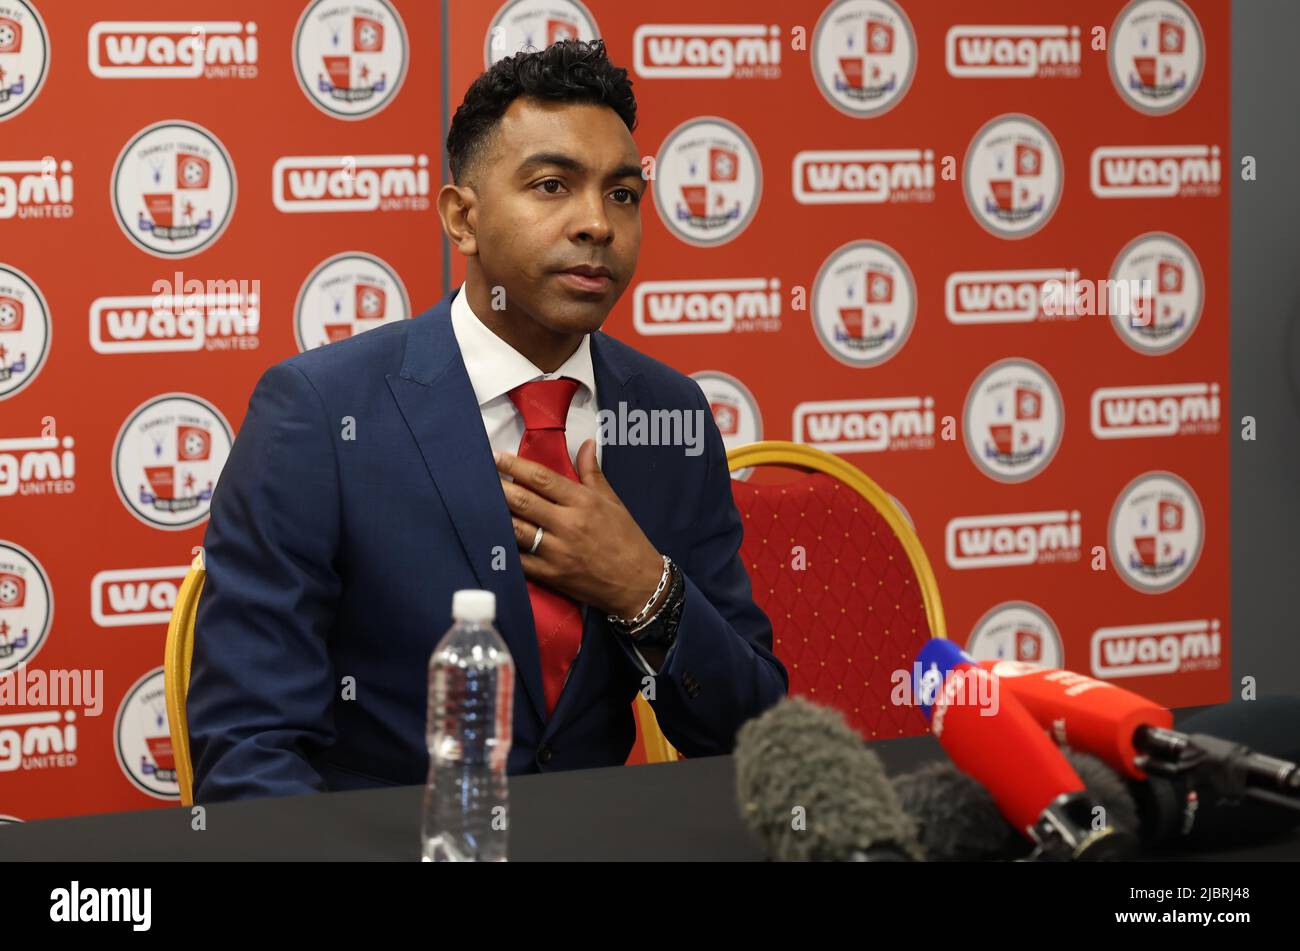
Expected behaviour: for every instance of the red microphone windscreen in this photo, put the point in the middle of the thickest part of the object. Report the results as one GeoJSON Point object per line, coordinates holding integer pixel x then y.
{"type": "Point", "coordinates": [1089, 715]}
{"type": "Point", "coordinates": [991, 737]}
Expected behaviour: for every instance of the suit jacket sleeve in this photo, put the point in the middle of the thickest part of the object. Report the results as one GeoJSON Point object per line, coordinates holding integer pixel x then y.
{"type": "Point", "coordinates": [261, 688]}
{"type": "Point", "coordinates": [721, 670]}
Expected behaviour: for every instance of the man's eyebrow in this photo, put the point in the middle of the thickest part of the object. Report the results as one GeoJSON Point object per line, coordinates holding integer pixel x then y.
{"type": "Point", "coordinates": [561, 160]}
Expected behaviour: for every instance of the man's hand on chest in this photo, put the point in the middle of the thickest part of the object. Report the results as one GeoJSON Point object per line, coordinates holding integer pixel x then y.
{"type": "Point", "coordinates": [590, 547]}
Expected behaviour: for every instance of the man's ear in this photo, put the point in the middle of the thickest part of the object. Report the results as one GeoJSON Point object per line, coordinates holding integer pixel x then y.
{"type": "Point", "coordinates": [458, 209]}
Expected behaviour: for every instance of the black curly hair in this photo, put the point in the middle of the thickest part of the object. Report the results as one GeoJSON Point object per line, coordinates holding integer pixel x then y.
{"type": "Point", "coordinates": [567, 71]}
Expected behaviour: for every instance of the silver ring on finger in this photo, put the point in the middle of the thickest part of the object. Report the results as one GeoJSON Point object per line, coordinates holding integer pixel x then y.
{"type": "Point", "coordinates": [537, 541]}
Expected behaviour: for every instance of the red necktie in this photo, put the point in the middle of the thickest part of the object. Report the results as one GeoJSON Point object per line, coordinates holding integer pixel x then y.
{"type": "Point", "coordinates": [544, 405]}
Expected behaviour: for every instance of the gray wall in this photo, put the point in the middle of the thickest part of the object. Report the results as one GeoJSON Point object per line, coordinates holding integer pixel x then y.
{"type": "Point", "coordinates": [1265, 322]}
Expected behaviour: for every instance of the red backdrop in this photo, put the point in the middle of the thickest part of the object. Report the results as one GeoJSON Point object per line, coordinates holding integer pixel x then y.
{"type": "Point", "coordinates": [856, 206]}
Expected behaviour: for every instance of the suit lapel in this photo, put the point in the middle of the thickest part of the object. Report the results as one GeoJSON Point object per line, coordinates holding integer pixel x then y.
{"type": "Point", "coordinates": [436, 399]}
{"type": "Point", "coordinates": [616, 387]}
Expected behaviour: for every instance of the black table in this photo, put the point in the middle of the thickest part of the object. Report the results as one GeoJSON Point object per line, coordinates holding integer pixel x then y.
{"type": "Point", "coordinates": [666, 811]}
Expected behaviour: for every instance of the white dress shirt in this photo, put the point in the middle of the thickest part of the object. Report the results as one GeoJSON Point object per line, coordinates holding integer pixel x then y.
{"type": "Point", "coordinates": [495, 368]}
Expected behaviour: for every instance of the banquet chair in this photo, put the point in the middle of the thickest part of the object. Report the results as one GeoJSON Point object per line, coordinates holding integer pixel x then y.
{"type": "Point", "coordinates": [176, 672]}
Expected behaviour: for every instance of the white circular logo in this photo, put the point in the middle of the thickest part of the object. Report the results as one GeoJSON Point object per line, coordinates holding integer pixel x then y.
{"type": "Point", "coordinates": [1162, 280]}
{"type": "Point", "coordinates": [143, 740]}
{"type": "Point", "coordinates": [534, 25]}
{"type": "Point", "coordinates": [345, 295]}
{"type": "Point", "coordinates": [734, 410]}
{"type": "Point", "coordinates": [1012, 176]}
{"type": "Point", "coordinates": [24, 330]}
{"type": "Point", "coordinates": [1013, 420]}
{"type": "Point", "coordinates": [1156, 532]}
{"type": "Point", "coordinates": [9, 820]}
{"type": "Point", "coordinates": [24, 56]}
{"type": "Point", "coordinates": [1019, 633]}
{"type": "Point", "coordinates": [26, 606]}
{"type": "Point", "coordinates": [167, 458]}
{"type": "Point", "coordinates": [1157, 55]}
{"type": "Point", "coordinates": [350, 58]}
{"type": "Point", "coordinates": [863, 56]}
{"type": "Point", "coordinates": [708, 181]}
{"type": "Point", "coordinates": [864, 303]}
{"type": "Point", "coordinates": [174, 189]}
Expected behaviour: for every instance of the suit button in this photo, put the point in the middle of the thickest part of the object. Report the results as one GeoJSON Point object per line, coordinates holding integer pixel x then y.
{"type": "Point", "coordinates": [691, 684]}
{"type": "Point", "coordinates": [544, 755]}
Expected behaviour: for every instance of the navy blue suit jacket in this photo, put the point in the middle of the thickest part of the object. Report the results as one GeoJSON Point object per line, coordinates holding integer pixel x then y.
{"type": "Point", "coordinates": [332, 558]}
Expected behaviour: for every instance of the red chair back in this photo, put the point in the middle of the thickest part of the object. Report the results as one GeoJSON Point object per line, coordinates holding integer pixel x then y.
{"type": "Point", "coordinates": [842, 576]}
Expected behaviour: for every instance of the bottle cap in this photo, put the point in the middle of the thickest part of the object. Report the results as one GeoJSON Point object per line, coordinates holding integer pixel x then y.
{"type": "Point", "coordinates": [473, 605]}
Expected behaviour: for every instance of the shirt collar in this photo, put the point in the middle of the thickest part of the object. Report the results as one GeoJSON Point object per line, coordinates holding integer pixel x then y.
{"type": "Point", "coordinates": [495, 368]}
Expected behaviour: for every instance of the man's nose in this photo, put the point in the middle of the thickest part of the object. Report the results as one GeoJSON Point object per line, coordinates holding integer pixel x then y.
{"type": "Point", "coordinates": [592, 220]}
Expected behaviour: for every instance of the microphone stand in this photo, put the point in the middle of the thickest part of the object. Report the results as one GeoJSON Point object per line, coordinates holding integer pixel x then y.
{"type": "Point", "coordinates": [1230, 769]}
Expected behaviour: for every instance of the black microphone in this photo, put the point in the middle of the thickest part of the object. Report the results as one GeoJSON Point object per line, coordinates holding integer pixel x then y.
{"type": "Point", "coordinates": [1108, 789]}
{"type": "Point", "coordinates": [809, 787]}
{"type": "Point", "coordinates": [956, 817]}
{"type": "Point", "coordinates": [1228, 777]}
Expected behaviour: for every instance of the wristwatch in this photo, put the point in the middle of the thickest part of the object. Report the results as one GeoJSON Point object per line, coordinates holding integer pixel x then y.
{"type": "Point", "coordinates": [661, 630]}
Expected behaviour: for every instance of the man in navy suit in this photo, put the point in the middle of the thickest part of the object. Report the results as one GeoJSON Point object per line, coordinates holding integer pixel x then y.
{"type": "Point", "coordinates": [375, 476]}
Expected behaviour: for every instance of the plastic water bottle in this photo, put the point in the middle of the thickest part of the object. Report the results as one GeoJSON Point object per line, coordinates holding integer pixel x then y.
{"type": "Point", "coordinates": [471, 696]}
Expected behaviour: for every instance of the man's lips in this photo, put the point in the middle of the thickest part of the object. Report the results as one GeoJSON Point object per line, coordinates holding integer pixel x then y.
{"type": "Point", "coordinates": [589, 270]}
{"type": "Point", "coordinates": [588, 277]}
